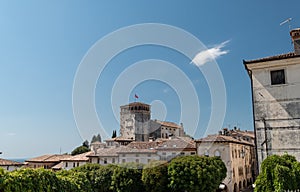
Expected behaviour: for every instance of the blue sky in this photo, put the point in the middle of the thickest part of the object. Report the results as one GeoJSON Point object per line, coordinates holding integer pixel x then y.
{"type": "Point", "coordinates": [43, 42]}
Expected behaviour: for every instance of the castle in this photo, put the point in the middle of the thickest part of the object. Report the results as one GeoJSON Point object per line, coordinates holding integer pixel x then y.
{"type": "Point", "coordinates": [136, 124]}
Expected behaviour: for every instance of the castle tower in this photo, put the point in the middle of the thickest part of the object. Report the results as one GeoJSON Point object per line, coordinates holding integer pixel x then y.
{"type": "Point", "coordinates": [134, 121]}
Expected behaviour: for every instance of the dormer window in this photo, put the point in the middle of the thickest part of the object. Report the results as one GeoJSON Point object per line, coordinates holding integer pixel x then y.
{"type": "Point", "coordinates": [277, 77]}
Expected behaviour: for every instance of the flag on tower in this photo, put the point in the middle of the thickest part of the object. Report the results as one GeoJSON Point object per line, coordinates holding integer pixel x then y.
{"type": "Point", "coordinates": [136, 96]}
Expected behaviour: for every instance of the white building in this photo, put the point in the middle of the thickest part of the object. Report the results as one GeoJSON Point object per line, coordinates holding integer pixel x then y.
{"type": "Point", "coordinates": [9, 165]}
{"type": "Point", "coordinates": [73, 161]}
{"type": "Point", "coordinates": [275, 83]}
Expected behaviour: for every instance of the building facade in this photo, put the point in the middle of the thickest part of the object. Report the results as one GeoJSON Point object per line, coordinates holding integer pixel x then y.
{"type": "Point", "coordinates": [136, 124]}
{"type": "Point", "coordinates": [236, 149]}
{"type": "Point", "coordinates": [275, 83]}
{"type": "Point", "coordinates": [9, 165]}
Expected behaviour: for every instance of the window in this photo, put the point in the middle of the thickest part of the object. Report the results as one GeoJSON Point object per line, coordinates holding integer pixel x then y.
{"type": "Point", "coordinates": [277, 77]}
{"type": "Point", "coordinates": [77, 164]}
{"type": "Point", "coordinates": [74, 164]}
{"type": "Point", "coordinates": [193, 153]}
{"type": "Point", "coordinates": [217, 153]}
{"type": "Point", "coordinates": [66, 164]}
{"type": "Point", "coordinates": [136, 155]}
{"type": "Point", "coordinates": [98, 160]}
{"type": "Point", "coordinates": [123, 161]}
{"type": "Point", "coordinates": [206, 153]}
{"type": "Point", "coordinates": [137, 160]}
{"type": "Point", "coordinates": [105, 161]}
{"type": "Point", "coordinates": [113, 160]}
{"type": "Point", "coordinates": [149, 155]}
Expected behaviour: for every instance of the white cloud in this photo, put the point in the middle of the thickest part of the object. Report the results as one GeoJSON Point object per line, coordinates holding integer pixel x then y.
{"type": "Point", "coordinates": [210, 54]}
{"type": "Point", "coordinates": [11, 134]}
{"type": "Point", "coordinates": [166, 90]}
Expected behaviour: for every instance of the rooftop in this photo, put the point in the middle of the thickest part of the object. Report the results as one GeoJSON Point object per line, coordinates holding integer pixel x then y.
{"type": "Point", "coordinates": [222, 139]}
{"type": "Point", "coordinates": [48, 158]}
{"type": "Point", "coordinates": [168, 124]}
{"type": "Point", "coordinates": [79, 157]}
{"type": "Point", "coordinates": [5, 162]}
{"type": "Point", "coordinates": [272, 58]}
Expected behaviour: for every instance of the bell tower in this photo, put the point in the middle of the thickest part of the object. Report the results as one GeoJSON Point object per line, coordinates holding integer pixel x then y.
{"type": "Point", "coordinates": [134, 121]}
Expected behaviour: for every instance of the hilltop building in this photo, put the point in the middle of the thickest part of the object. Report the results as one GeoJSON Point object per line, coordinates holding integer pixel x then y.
{"type": "Point", "coordinates": [136, 124]}
{"type": "Point", "coordinates": [275, 83]}
{"type": "Point", "coordinates": [236, 149]}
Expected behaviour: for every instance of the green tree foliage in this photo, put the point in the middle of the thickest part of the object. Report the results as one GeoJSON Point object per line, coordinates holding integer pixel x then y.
{"type": "Point", "coordinates": [278, 173]}
{"type": "Point", "coordinates": [77, 181]}
{"type": "Point", "coordinates": [32, 180]}
{"type": "Point", "coordinates": [194, 173]}
{"type": "Point", "coordinates": [114, 134]}
{"type": "Point", "coordinates": [127, 178]}
{"type": "Point", "coordinates": [80, 150]}
{"type": "Point", "coordinates": [86, 144]}
{"type": "Point", "coordinates": [2, 179]}
{"type": "Point", "coordinates": [96, 138]}
{"type": "Point", "coordinates": [98, 176]}
{"type": "Point", "coordinates": [155, 176]}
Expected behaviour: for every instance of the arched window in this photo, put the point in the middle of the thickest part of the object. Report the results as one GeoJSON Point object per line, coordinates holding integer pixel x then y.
{"type": "Point", "coordinates": [217, 153]}
{"type": "Point", "coordinates": [206, 153]}
{"type": "Point", "coordinates": [235, 188]}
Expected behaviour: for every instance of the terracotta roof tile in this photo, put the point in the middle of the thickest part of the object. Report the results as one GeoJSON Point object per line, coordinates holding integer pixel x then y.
{"type": "Point", "coordinates": [168, 124]}
{"type": "Point", "coordinates": [222, 138]}
{"type": "Point", "coordinates": [79, 157]}
{"type": "Point", "coordinates": [5, 162]}
{"type": "Point", "coordinates": [272, 58]}
{"type": "Point", "coordinates": [48, 158]}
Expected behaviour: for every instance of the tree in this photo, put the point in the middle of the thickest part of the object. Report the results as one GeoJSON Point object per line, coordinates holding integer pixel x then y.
{"type": "Point", "coordinates": [86, 144]}
{"type": "Point", "coordinates": [155, 176]}
{"type": "Point", "coordinates": [80, 150]}
{"type": "Point", "coordinates": [194, 173]}
{"type": "Point", "coordinates": [98, 176]}
{"type": "Point", "coordinates": [33, 180]}
{"type": "Point", "coordinates": [114, 134]}
{"type": "Point", "coordinates": [2, 179]}
{"type": "Point", "coordinates": [278, 173]}
{"type": "Point", "coordinates": [96, 138]}
{"type": "Point", "coordinates": [127, 178]}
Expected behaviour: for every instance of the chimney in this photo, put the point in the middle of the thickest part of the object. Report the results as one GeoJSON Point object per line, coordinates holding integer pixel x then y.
{"type": "Point", "coordinates": [295, 35]}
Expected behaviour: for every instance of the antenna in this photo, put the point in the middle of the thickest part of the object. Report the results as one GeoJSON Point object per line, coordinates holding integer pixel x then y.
{"type": "Point", "coordinates": [287, 21]}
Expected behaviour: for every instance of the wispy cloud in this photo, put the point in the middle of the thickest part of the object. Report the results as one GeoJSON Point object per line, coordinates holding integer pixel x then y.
{"type": "Point", "coordinates": [166, 90]}
{"type": "Point", "coordinates": [11, 134]}
{"type": "Point", "coordinates": [210, 54]}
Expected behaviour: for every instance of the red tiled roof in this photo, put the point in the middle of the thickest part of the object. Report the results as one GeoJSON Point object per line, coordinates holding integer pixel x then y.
{"type": "Point", "coordinates": [176, 143]}
{"type": "Point", "coordinates": [168, 124]}
{"type": "Point", "coordinates": [222, 139]}
{"type": "Point", "coordinates": [107, 152]}
{"type": "Point", "coordinates": [79, 157]}
{"type": "Point", "coordinates": [272, 58]}
{"type": "Point", "coordinates": [48, 158]}
{"type": "Point", "coordinates": [5, 162]}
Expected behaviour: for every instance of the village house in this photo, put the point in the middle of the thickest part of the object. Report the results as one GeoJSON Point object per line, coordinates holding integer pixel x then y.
{"type": "Point", "coordinates": [275, 84]}
{"type": "Point", "coordinates": [236, 149]}
{"type": "Point", "coordinates": [73, 161]}
{"type": "Point", "coordinates": [45, 161]}
{"type": "Point", "coordinates": [9, 165]}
